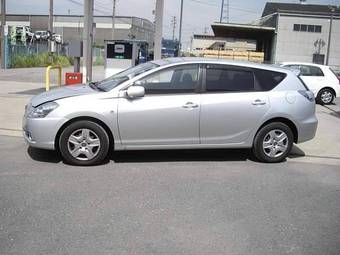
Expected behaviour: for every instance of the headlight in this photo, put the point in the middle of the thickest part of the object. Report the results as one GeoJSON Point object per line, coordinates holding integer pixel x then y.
{"type": "Point", "coordinates": [42, 110]}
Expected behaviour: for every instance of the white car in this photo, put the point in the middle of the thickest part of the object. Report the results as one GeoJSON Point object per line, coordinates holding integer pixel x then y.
{"type": "Point", "coordinates": [41, 35]}
{"type": "Point", "coordinates": [320, 79]}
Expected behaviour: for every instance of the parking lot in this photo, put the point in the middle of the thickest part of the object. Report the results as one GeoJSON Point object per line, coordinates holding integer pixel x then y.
{"type": "Point", "coordinates": [167, 202]}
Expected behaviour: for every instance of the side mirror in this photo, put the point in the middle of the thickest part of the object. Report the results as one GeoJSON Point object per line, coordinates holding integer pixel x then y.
{"type": "Point", "coordinates": [135, 91]}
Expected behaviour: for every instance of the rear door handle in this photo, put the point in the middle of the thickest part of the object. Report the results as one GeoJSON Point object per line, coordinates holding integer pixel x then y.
{"type": "Point", "coordinates": [190, 105]}
{"type": "Point", "coordinates": [259, 102]}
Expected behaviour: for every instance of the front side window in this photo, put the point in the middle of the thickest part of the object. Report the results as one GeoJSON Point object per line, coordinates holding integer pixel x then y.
{"type": "Point", "coordinates": [173, 80]}
{"type": "Point", "coordinates": [117, 79]}
{"type": "Point", "coordinates": [225, 79]}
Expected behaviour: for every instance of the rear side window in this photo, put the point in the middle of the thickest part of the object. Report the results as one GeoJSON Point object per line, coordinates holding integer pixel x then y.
{"type": "Point", "coordinates": [310, 71]}
{"type": "Point", "coordinates": [267, 80]}
{"type": "Point", "coordinates": [228, 79]}
{"type": "Point", "coordinates": [336, 75]}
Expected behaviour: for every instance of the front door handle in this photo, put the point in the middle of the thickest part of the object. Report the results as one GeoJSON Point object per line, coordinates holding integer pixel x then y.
{"type": "Point", "coordinates": [190, 105]}
{"type": "Point", "coordinates": [259, 102]}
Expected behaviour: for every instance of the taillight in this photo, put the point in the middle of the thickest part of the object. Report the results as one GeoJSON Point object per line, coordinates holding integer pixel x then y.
{"type": "Point", "coordinates": [307, 94]}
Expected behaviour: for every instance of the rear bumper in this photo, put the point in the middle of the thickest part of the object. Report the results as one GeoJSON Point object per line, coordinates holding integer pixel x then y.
{"type": "Point", "coordinates": [307, 129]}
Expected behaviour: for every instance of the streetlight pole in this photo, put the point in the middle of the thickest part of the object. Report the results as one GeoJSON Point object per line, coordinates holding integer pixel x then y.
{"type": "Point", "coordinates": [113, 19]}
{"type": "Point", "coordinates": [222, 10]}
{"type": "Point", "coordinates": [330, 35]}
{"type": "Point", "coordinates": [180, 29]}
{"type": "Point", "coordinates": [3, 35]}
{"type": "Point", "coordinates": [50, 26]}
{"type": "Point", "coordinates": [159, 29]}
{"type": "Point", "coordinates": [87, 40]}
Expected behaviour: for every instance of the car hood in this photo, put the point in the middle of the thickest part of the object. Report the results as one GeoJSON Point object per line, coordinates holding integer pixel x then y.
{"type": "Point", "coordinates": [64, 92]}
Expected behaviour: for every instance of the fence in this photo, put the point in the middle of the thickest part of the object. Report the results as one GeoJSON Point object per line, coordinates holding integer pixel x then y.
{"type": "Point", "coordinates": [37, 48]}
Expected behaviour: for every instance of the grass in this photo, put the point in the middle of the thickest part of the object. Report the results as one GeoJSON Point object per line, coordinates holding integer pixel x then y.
{"type": "Point", "coordinates": [39, 60]}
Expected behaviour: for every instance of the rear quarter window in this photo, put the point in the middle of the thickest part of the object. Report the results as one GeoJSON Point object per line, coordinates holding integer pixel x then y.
{"type": "Point", "coordinates": [267, 80]}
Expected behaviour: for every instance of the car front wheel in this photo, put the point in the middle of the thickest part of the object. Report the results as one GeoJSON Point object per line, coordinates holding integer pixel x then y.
{"type": "Point", "coordinates": [325, 96]}
{"type": "Point", "coordinates": [84, 143]}
{"type": "Point", "coordinates": [273, 142]}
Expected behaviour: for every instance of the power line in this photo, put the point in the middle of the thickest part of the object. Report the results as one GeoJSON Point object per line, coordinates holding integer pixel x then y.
{"type": "Point", "coordinates": [95, 9]}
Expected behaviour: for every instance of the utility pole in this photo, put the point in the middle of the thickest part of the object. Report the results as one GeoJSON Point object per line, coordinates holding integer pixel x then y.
{"type": "Point", "coordinates": [174, 24]}
{"type": "Point", "coordinates": [180, 29]}
{"type": "Point", "coordinates": [87, 40]}
{"type": "Point", "coordinates": [228, 11]}
{"type": "Point", "coordinates": [159, 29]}
{"type": "Point", "coordinates": [3, 35]}
{"type": "Point", "coordinates": [222, 10]}
{"type": "Point", "coordinates": [113, 19]}
{"type": "Point", "coordinates": [330, 34]}
{"type": "Point", "coordinates": [50, 26]}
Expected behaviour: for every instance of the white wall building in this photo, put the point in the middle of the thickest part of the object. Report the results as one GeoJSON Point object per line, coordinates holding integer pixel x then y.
{"type": "Point", "coordinates": [302, 31]}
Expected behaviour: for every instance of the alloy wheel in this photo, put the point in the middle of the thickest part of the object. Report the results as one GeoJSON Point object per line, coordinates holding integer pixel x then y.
{"type": "Point", "coordinates": [275, 143]}
{"type": "Point", "coordinates": [83, 144]}
{"type": "Point", "coordinates": [326, 97]}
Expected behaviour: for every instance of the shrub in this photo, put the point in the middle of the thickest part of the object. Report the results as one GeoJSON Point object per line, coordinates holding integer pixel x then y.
{"type": "Point", "coordinates": [39, 60]}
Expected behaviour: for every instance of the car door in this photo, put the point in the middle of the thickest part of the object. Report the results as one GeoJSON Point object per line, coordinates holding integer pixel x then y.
{"type": "Point", "coordinates": [230, 108]}
{"type": "Point", "coordinates": [168, 114]}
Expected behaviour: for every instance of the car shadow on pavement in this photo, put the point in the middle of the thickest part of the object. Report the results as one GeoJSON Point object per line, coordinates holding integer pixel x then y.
{"type": "Point", "coordinates": [333, 113]}
{"type": "Point", "coordinates": [44, 155]}
{"type": "Point", "coordinates": [182, 155]}
{"type": "Point", "coordinates": [296, 152]}
{"type": "Point", "coordinates": [164, 155]}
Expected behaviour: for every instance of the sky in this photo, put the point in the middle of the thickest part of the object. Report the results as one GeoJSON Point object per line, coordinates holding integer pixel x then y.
{"type": "Point", "coordinates": [198, 15]}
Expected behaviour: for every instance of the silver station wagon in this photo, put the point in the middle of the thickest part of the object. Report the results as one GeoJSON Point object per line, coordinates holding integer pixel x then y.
{"type": "Point", "coordinates": [179, 103]}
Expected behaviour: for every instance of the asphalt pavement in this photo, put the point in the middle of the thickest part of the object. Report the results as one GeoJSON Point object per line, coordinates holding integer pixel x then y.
{"type": "Point", "coordinates": [171, 202]}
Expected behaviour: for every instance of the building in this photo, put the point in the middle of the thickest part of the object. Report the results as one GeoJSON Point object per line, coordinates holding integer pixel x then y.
{"type": "Point", "coordinates": [70, 27]}
{"type": "Point", "coordinates": [285, 32]}
{"type": "Point", "coordinates": [302, 32]}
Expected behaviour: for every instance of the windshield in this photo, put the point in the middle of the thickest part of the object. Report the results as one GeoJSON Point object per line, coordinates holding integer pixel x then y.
{"type": "Point", "coordinates": [117, 79]}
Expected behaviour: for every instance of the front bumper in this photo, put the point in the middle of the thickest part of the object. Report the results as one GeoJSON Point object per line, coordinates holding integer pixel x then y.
{"type": "Point", "coordinates": [41, 132]}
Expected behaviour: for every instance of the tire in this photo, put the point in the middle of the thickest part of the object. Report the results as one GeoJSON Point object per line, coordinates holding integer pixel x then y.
{"type": "Point", "coordinates": [273, 143]}
{"type": "Point", "coordinates": [84, 143]}
{"type": "Point", "coordinates": [325, 97]}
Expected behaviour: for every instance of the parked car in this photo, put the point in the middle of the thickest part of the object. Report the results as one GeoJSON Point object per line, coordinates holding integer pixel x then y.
{"type": "Point", "coordinates": [27, 29]}
{"type": "Point", "coordinates": [41, 35]}
{"type": "Point", "coordinates": [320, 79]}
{"type": "Point", "coordinates": [178, 103]}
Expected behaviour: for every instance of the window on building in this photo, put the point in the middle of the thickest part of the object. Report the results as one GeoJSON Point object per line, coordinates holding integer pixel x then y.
{"type": "Point", "coordinates": [319, 58]}
{"type": "Point", "coordinates": [296, 27]}
{"type": "Point", "coordinates": [303, 28]}
{"type": "Point", "coordinates": [307, 28]}
{"type": "Point", "coordinates": [318, 29]}
{"type": "Point", "coordinates": [311, 28]}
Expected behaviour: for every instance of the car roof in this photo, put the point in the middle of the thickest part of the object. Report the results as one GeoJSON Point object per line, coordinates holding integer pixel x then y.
{"type": "Point", "coordinates": [303, 63]}
{"type": "Point", "coordinates": [199, 60]}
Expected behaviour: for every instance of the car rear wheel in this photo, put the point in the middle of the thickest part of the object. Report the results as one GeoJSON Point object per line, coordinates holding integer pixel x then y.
{"type": "Point", "coordinates": [84, 143]}
{"type": "Point", "coordinates": [325, 96]}
{"type": "Point", "coordinates": [273, 143]}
